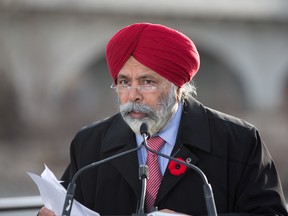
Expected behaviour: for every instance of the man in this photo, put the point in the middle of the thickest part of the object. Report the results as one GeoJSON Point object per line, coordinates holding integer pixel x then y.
{"type": "Point", "coordinates": [152, 66]}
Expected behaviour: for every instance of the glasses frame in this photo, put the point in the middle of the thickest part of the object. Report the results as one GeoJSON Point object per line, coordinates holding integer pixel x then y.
{"type": "Point", "coordinates": [141, 88]}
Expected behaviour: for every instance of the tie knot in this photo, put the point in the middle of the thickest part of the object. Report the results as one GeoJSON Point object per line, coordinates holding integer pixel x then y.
{"type": "Point", "coordinates": [155, 143]}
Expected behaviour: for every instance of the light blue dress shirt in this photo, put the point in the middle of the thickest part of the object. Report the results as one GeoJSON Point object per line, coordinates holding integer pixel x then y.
{"type": "Point", "coordinates": [169, 134]}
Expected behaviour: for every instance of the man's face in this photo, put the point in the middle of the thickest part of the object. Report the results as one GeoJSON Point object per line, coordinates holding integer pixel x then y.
{"type": "Point", "coordinates": [137, 106]}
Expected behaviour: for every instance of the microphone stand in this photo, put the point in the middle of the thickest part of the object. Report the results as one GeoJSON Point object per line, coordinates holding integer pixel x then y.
{"type": "Point", "coordinates": [67, 207]}
{"type": "Point", "coordinates": [143, 175]}
{"type": "Point", "coordinates": [143, 172]}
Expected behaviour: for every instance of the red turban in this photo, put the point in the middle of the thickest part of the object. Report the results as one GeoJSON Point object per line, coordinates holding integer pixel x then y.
{"type": "Point", "coordinates": [164, 50]}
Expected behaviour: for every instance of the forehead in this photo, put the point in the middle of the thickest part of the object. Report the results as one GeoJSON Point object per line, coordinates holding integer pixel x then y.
{"type": "Point", "coordinates": [133, 68]}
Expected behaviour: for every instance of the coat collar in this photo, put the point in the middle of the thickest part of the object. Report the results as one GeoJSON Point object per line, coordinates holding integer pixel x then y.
{"type": "Point", "coordinates": [118, 136]}
{"type": "Point", "coordinates": [194, 126]}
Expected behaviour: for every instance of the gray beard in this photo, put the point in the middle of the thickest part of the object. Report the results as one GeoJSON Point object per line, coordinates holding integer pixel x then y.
{"type": "Point", "coordinates": [156, 119]}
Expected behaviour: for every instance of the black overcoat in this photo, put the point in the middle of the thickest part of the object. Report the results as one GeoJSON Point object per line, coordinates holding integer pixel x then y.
{"type": "Point", "coordinates": [228, 150]}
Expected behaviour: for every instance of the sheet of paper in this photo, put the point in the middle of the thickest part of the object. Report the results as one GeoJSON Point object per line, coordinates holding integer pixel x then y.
{"type": "Point", "coordinates": [53, 194]}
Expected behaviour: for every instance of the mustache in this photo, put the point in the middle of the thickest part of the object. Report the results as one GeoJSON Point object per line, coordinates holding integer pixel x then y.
{"type": "Point", "coordinates": [125, 109]}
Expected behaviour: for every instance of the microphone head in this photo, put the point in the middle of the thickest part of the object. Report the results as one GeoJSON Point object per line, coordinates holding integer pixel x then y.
{"type": "Point", "coordinates": [144, 129]}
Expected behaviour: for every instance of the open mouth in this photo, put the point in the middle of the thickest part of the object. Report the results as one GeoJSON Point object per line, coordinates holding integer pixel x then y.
{"type": "Point", "coordinates": [137, 115]}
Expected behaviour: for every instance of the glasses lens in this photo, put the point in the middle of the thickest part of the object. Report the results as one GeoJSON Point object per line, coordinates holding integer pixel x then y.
{"type": "Point", "coordinates": [123, 88]}
{"type": "Point", "coordinates": [142, 88]}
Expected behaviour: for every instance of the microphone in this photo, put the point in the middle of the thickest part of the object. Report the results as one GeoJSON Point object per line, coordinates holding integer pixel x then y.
{"type": "Point", "coordinates": [207, 189]}
{"type": "Point", "coordinates": [68, 202]}
{"type": "Point", "coordinates": [144, 131]}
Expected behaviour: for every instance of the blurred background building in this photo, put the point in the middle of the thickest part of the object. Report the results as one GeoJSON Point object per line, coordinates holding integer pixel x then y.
{"type": "Point", "coordinates": [54, 78]}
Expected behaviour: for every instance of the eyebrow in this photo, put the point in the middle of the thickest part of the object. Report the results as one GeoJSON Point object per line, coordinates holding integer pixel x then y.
{"type": "Point", "coordinates": [145, 76]}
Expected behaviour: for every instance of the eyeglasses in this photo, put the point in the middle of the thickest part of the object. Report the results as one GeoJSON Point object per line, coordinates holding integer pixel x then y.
{"type": "Point", "coordinates": [142, 88]}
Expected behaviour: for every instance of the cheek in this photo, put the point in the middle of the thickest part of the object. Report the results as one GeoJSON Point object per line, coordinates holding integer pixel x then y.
{"type": "Point", "coordinates": [154, 100]}
{"type": "Point", "coordinates": [122, 99]}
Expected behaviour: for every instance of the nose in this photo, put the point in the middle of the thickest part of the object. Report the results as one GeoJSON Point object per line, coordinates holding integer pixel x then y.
{"type": "Point", "coordinates": [135, 95]}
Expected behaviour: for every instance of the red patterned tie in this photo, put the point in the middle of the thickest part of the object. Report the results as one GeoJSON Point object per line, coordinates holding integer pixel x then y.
{"type": "Point", "coordinates": [155, 175]}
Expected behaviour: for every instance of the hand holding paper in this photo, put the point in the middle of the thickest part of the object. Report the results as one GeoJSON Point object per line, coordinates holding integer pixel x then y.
{"type": "Point", "coordinates": [53, 194]}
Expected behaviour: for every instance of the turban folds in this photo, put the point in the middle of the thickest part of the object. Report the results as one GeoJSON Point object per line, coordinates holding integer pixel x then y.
{"type": "Point", "coordinates": [166, 51]}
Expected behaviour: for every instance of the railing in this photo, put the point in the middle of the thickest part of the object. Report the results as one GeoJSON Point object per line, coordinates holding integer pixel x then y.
{"type": "Point", "coordinates": [14, 206]}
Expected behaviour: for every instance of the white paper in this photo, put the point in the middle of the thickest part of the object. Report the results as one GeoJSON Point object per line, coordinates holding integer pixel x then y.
{"type": "Point", "coordinates": [53, 194]}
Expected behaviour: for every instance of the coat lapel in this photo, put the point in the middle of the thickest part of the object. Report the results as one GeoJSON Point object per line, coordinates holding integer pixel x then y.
{"type": "Point", "coordinates": [193, 134]}
{"type": "Point", "coordinates": [121, 138]}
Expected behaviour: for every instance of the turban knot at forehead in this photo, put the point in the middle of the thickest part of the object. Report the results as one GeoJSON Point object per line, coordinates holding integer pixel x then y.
{"type": "Point", "coordinates": [166, 51]}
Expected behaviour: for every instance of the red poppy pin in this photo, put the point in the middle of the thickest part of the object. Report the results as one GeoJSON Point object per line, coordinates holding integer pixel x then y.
{"type": "Point", "coordinates": [176, 168]}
